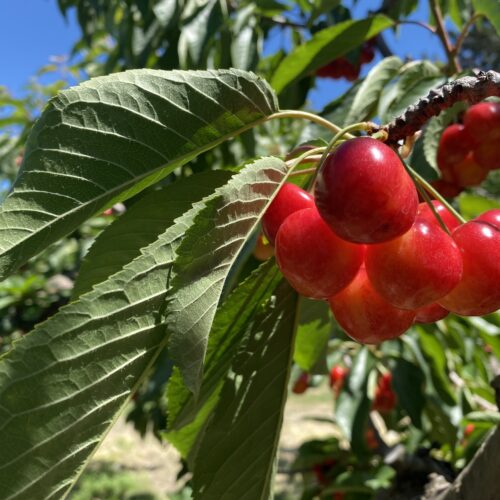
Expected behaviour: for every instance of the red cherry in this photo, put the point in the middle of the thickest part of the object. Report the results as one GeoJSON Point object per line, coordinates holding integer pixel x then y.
{"type": "Point", "coordinates": [483, 121]}
{"type": "Point", "coordinates": [431, 313]}
{"type": "Point", "coordinates": [315, 261]}
{"type": "Point", "coordinates": [365, 315]}
{"type": "Point", "coordinates": [371, 439]}
{"type": "Point", "coordinates": [263, 249]}
{"type": "Point", "coordinates": [492, 216]}
{"type": "Point", "coordinates": [364, 193]}
{"type": "Point", "coordinates": [487, 154]}
{"type": "Point", "coordinates": [385, 380]}
{"type": "Point", "coordinates": [289, 199]}
{"type": "Point", "coordinates": [466, 172]}
{"type": "Point", "coordinates": [337, 376]}
{"type": "Point", "coordinates": [415, 269]}
{"type": "Point", "coordinates": [301, 384]}
{"type": "Point", "coordinates": [425, 213]}
{"type": "Point", "coordinates": [469, 429]}
{"type": "Point", "coordinates": [478, 292]}
{"type": "Point", "coordinates": [367, 53]}
{"type": "Point", "coordinates": [446, 189]}
{"type": "Point", "coordinates": [454, 145]}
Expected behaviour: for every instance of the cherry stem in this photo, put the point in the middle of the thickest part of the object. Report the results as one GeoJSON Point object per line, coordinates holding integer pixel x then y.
{"type": "Point", "coordinates": [336, 138]}
{"type": "Point", "coordinates": [306, 116]}
{"type": "Point", "coordinates": [292, 164]}
{"type": "Point", "coordinates": [422, 182]}
{"type": "Point", "coordinates": [428, 200]}
{"type": "Point", "coordinates": [464, 32]}
{"type": "Point", "coordinates": [305, 171]}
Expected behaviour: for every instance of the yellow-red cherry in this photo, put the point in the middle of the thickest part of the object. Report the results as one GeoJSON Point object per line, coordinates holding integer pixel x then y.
{"type": "Point", "coordinates": [478, 291]}
{"type": "Point", "coordinates": [315, 261]}
{"type": "Point", "coordinates": [364, 193]}
{"type": "Point", "coordinates": [416, 269]}
{"type": "Point", "coordinates": [365, 315]}
{"type": "Point", "coordinates": [289, 199]}
{"type": "Point", "coordinates": [424, 212]}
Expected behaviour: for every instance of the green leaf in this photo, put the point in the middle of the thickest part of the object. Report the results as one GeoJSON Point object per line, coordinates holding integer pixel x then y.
{"type": "Point", "coordinates": [208, 252]}
{"type": "Point", "coordinates": [365, 103]}
{"type": "Point", "coordinates": [416, 79]}
{"type": "Point", "coordinates": [244, 53]}
{"type": "Point", "coordinates": [198, 31]}
{"type": "Point", "coordinates": [483, 416]}
{"type": "Point", "coordinates": [408, 382]}
{"type": "Point", "coordinates": [232, 322]}
{"type": "Point", "coordinates": [435, 355]}
{"type": "Point", "coordinates": [324, 46]}
{"type": "Point", "coordinates": [140, 225]}
{"type": "Point", "coordinates": [490, 9]}
{"type": "Point", "coordinates": [109, 138]}
{"type": "Point", "coordinates": [313, 333]}
{"type": "Point", "coordinates": [471, 205]}
{"type": "Point", "coordinates": [63, 384]}
{"type": "Point", "coordinates": [353, 405]}
{"type": "Point", "coordinates": [237, 455]}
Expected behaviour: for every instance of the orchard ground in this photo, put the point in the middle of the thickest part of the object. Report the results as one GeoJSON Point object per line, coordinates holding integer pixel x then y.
{"type": "Point", "coordinates": [155, 465]}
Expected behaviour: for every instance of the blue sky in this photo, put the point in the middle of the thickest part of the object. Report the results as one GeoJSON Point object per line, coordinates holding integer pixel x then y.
{"type": "Point", "coordinates": [31, 31]}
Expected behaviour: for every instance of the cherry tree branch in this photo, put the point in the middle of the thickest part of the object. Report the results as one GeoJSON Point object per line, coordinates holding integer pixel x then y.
{"type": "Point", "coordinates": [470, 89]}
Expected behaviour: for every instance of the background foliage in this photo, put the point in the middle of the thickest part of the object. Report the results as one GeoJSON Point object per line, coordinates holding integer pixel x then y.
{"type": "Point", "coordinates": [441, 372]}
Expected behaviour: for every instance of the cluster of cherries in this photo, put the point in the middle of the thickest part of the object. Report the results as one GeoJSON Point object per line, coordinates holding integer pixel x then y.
{"type": "Point", "coordinates": [382, 260]}
{"type": "Point", "coordinates": [343, 67]}
{"type": "Point", "coordinates": [468, 151]}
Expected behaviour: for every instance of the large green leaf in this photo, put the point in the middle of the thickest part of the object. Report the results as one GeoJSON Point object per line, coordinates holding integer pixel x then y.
{"type": "Point", "coordinates": [110, 137]}
{"type": "Point", "coordinates": [490, 9]}
{"type": "Point", "coordinates": [232, 324]}
{"type": "Point", "coordinates": [140, 225]}
{"type": "Point", "coordinates": [324, 46]}
{"type": "Point", "coordinates": [237, 455]}
{"type": "Point", "coordinates": [208, 252]}
{"type": "Point", "coordinates": [62, 386]}
{"type": "Point", "coordinates": [365, 103]}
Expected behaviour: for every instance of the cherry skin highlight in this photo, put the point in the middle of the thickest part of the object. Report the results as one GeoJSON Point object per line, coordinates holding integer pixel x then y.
{"type": "Point", "coordinates": [365, 315]}
{"type": "Point", "coordinates": [425, 213]}
{"type": "Point", "coordinates": [364, 193]}
{"type": "Point", "coordinates": [415, 269]}
{"type": "Point", "coordinates": [478, 291]}
{"type": "Point", "coordinates": [315, 261]}
{"type": "Point", "coordinates": [492, 216]}
{"type": "Point", "coordinates": [430, 314]}
{"type": "Point", "coordinates": [289, 199]}
{"type": "Point", "coordinates": [483, 121]}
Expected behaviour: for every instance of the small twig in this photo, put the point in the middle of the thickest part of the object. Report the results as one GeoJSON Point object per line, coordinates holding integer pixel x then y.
{"type": "Point", "coordinates": [470, 89]}
{"type": "Point", "coordinates": [443, 35]}
{"type": "Point", "coordinates": [464, 33]}
{"type": "Point", "coordinates": [428, 27]}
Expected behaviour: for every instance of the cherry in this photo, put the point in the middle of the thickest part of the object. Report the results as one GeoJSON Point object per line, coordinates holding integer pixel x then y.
{"type": "Point", "coordinates": [469, 429]}
{"type": "Point", "coordinates": [417, 268]}
{"type": "Point", "coordinates": [431, 313]}
{"type": "Point", "coordinates": [301, 384]}
{"type": "Point", "coordinates": [367, 53]}
{"type": "Point", "coordinates": [364, 193]}
{"type": "Point", "coordinates": [365, 315]}
{"type": "Point", "coordinates": [385, 399]}
{"type": "Point", "coordinates": [487, 154]}
{"type": "Point", "coordinates": [446, 189]}
{"type": "Point", "coordinates": [425, 213]}
{"type": "Point", "coordinates": [492, 216]}
{"type": "Point", "coordinates": [371, 439]}
{"type": "Point", "coordinates": [289, 199]}
{"type": "Point", "coordinates": [337, 376]}
{"type": "Point", "coordinates": [315, 261]}
{"type": "Point", "coordinates": [454, 145]}
{"type": "Point", "coordinates": [263, 249]}
{"type": "Point", "coordinates": [478, 291]}
{"type": "Point", "coordinates": [323, 470]}
{"type": "Point", "coordinates": [483, 121]}
{"type": "Point", "coordinates": [466, 172]}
